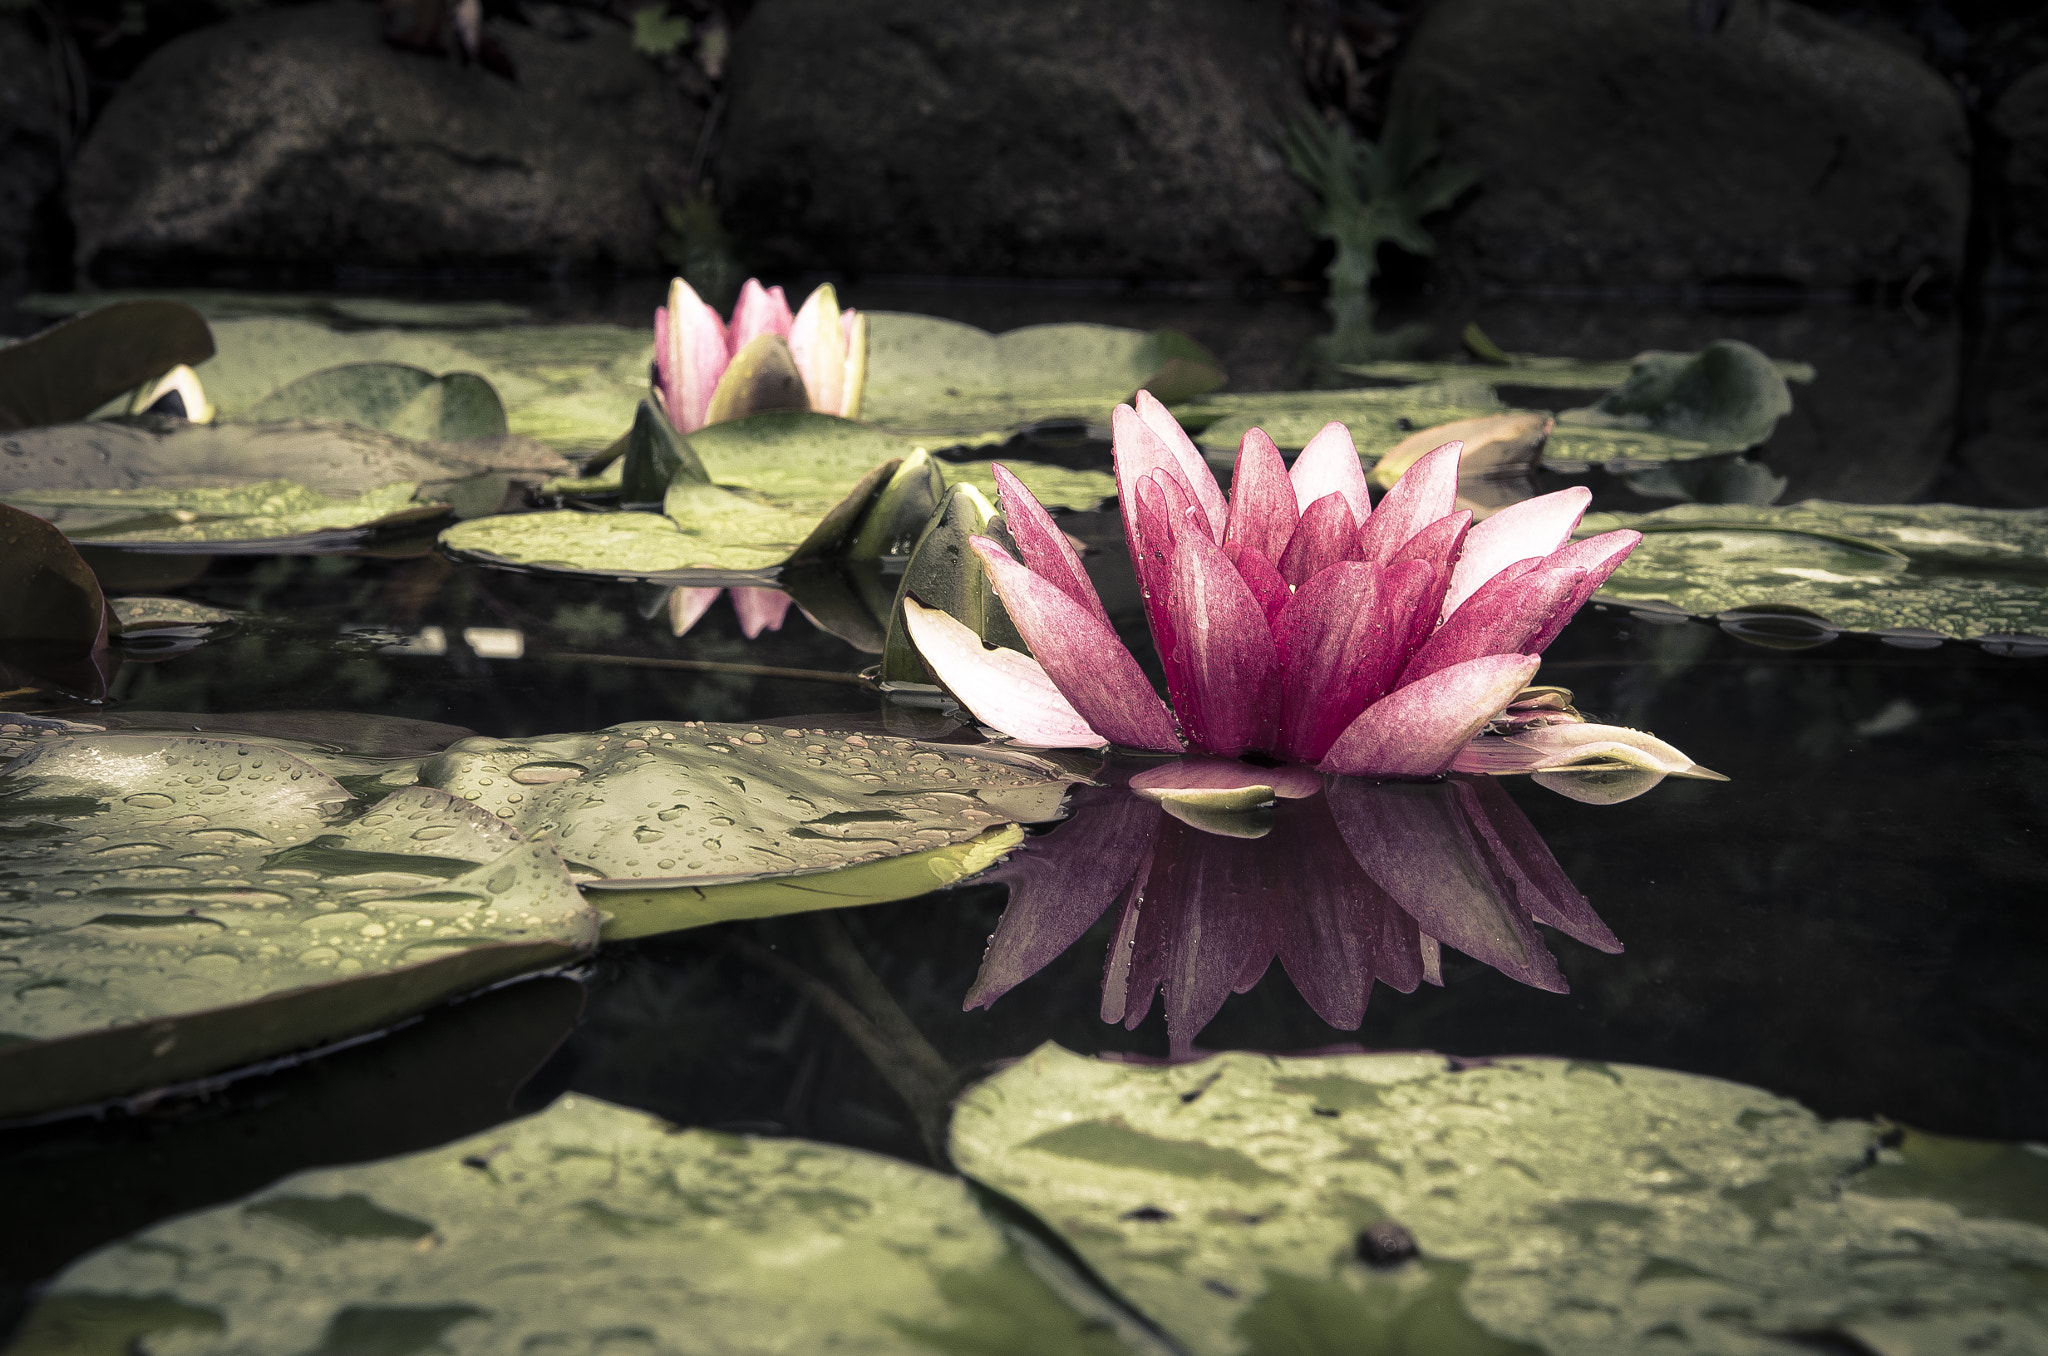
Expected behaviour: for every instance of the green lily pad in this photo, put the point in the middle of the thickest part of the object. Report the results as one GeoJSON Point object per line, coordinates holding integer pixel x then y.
{"type": "Point", "coordinates": [216, 305]}
{"type": "Point", "coordinates": [1960, 572]}
{"type": "Point", "coordinates": [72, 369]}
{"type": "Point", "coordinates": [176, 907]}
{"type": "Point", "coordinates": [587, 1227]}
{"type": "Point", "coordinates": [272, 515]}
{"type": "Point", "coordinates": [944, 382]}
{"type": "Point", "coordinates": [151, 454]}
{"type": "Point", "coordinates": [1676, 406]}
{"type": "Point", "coordinates": [1056, 487]}
{"type": "Point", "coordinates": [1570, 1208]}
{"type": "Point", "coordinates": [1378, 418]}
{"type": "Point", "coordinates": [694, 804]}
{"type": "Point", "coordinates": [1543, 372]}
{"type": "Point", "coordinates": [572, 387]}
{"type": "Point", "coordinates": [396, 397]}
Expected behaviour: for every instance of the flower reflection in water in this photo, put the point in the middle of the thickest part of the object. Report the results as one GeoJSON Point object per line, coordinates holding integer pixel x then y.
{"type": "Point", "coordinates": [1346, 882]}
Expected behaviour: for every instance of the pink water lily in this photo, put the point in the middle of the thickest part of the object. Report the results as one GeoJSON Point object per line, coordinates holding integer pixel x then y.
{"type": "Point", "coordinates": [701, 363]}
{"type": "Point", "coordinates": [1294, 618]}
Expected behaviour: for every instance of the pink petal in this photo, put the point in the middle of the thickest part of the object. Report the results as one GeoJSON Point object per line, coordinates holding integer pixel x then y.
{"type": "Point", "coordinates": [1140, 452]}
{"type": "Point", "coordinates": [1328, 534]}
{"type": "Point", "coordinates": [1082, 656]}
{"type": "Point", "coordinates": [1415, 731]}
{"type": "Point", "coordinates": [1226, 647]}
{"type": "Point", "coordinates": [760, 310]}
{"type": "Point", "coordinates": [1322, 640]}
{"type": "Point", "coordinates": [1262, 510]}
{"type": "Point", "coordinates": [690, 355]}
{"type": "Point", "coordinates": [760, 610]}
{"type": "Point", "coordinates": [1505, 616]}
{"type": "Point", "coordinates": [1004, 689]}
{"type": "Point", "coordinates": [686, 607]}
{"type": "Point", "coordinates": [1436, 545]}
{"type": "Point", "coordinates": [1151, 546]}
{"type": "Point", "coordinates": [1540, 884]}
{"type": "Point", "coordinates": [1060, 883]}
{"type": "Point", "coordinates": [1330, 465]}
{"type": "Point", "coordinates": [1260, 577]}
{"type": "Point", "coordinates": [1534, 527]}
{"type": "Point", "coordinates": [1289, 781]}
{"type": "Point", "coordinates": [818, 344]}
{"type": "Point", "coordinates": [1426, 491]}
{"type": "Point", "coordinates": [1046, 550]}
{"type": "Point", "coordinates": [1599, 557]}
{"type": "Point", "coordinates": [1197, 892]}
{"type": "Point", "coordinates": [1194, 471]}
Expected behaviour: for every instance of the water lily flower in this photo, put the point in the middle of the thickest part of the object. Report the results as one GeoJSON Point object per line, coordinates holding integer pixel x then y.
{"type": "Point", "coordinates": [1349, 884]}
{"type": "Point", "coordinates": [758, 609]}
{"type": "Point", "coordinates": [768, 358]}
{"type": "Point", "coordinates": [1295, 618]}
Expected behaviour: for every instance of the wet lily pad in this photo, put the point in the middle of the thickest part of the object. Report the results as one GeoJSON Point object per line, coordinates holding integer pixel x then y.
{"type": "Point", "coordinates": [175, 907]}
{"type": "Point", "coordinates": [69, 370]}
{"type": "Point", "coordinates": [1959, 572]}
{"type": "Point", "coordinates": [587, 1227]}
{"type": "Point", "coordinates": [1056, 487]}
{"type": "Point", "coordinates": [944, 382]}
{"type": "Point", "coordinates": [396, 397]}
{"type": "Point", "coordinates": [696, 804]}
{"type": "Point", "coordinates": [268, 515]}
{"type": "Point", "coordinates": [1378, 418]}
{"type": "Point", "coordinates": [1570, 1208]}
{"type": "Point", "coordinates": [333, 460]}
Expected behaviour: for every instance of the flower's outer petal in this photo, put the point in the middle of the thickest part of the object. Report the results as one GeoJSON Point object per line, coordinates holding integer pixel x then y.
{"type": "Point", "coordinates": [1541, 885]}
{"type": "Point", "coordinates": [1081, 655]}
{"type": "Point", "coordinates": [1151, 547]}
{"type": "Point", "coordinates": [1005, 689]}
{"type": "Point", "coordinates": [1330, 465]}
{"type": "Point", "coordinates": [1060, 883]}
{"type": "Point", "coordinates": [1261, 578]}
{"type": "Point", "coordinates": [692, 357]}
{"type": "Point", "coordinates": [819, 345]}
{"type": "Point", "coordinates": [1140, 452]}
{"type": "Point", "coordinates": [1542, 748]}
{"type": "Point", "coordinates": [1194, 471]}
{"type": "Point", "coordinates": [1046, 550]}
{"type": "Point", "coordinates": [1415, 731]}
{"type": "Point", "coordinates": [1505, 616]}
{"type": "Point", "coordinates": [1326, 535]}
{"type": "Point", "coordinates": [686, 607]}
{"type": "Point", "coordinates": [1419, 844]}
{"type": "Point", "coordinates": [1427, 491]}
{"type": "Point", "coordinates": [760, 610]}
{"type": "Point", "coordinates": [1199, 773]}
{"type": "Point", "coordinates": [855, 332]}
{"type": "Point", "coordinates": [1599, 557]}
{"type": "Point", "coordinates": [1227, 648]}
{"type": "Point", "coordinates": [1436, 546]}
{"type": "Point", "coordinates": [760, 310]}
{"type": "Point", "coordinates": [1262, 509]}
{"type": "Point", "coordinates": [1534, 527]}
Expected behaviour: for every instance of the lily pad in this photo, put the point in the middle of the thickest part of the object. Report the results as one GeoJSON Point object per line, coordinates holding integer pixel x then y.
{"type": "Point", "coordinates": [695, 804]}
{"type": "Point", "coordinates": [1960, 572]}
{"type": "Point", "coordinates": [587, 1227]}
{"type": "Point", "coordinates": [48, 594]}
{"type": "Point", "coordinates": [945, 382]}
{"type": "Point", "coordinates": [1565, 1207]}
{"type": "Point", "coordinates": [151, 454]}
{"type": "Point", "coordinates": [270, 515]}
{"type": "Point", "coordinates": [358, 310]}
{"type": "Point", "coordinates": [1676, 406]}
{"type": "Point", "coordinates": [1056, 487]}
{"type": "Point", "coordinates": [72, 369]}
{"type": "Point", "coordinates": [1378, 418]}
{"type": "Point", "coordinates": [1538, 371]}
{"type": "Point", "coordinates": [176, 907]}
{"type": "Point", "coordinates": [396, 397]}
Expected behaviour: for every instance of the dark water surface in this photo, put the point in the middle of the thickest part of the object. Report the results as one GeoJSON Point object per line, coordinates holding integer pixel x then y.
{"type": "Point", "coordinates": [1854, 920]}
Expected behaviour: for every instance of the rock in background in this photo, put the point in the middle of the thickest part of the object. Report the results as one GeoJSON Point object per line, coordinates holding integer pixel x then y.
{"type": "Point", "coordinates": [38, 102]}
{"type": "Point", "coordinates": [297, 138]}
{"type": "Point", "coordinates": [1118, 138]}
{"type": "Point", "coordinates": [1638, 142]}
{"type": "Point", "coordinates": [2021, 117]}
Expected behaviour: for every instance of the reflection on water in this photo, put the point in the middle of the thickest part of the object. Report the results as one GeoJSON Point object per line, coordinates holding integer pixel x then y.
{"type": "Point", "coordinates": [1361, 883]}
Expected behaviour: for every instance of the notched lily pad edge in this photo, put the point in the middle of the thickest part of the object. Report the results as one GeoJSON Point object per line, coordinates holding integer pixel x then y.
{"type": "Point", "coordinates": [1803, 627]}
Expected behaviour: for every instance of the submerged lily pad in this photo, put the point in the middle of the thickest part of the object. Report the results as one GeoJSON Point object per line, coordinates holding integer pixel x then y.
{"type": "Point", "coordinates": [587, 1227]}
{"type": "Point", "coordinates": [945, 382]}
{"type": "Point", "coordinates": [396, 397]}
{"type": "Point", "coordinates": [1960, 572]}
{"type": "Point", "coordinates": [1575, 1209]}
{"type": "Point", "coordinates": [175, 907]}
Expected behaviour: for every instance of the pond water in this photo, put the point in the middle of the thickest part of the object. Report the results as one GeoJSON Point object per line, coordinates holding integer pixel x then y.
{"type": "Point", "coordinates": [1851, 921]}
